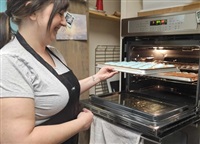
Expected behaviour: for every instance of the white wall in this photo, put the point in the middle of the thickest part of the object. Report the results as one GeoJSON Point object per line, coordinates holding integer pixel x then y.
{"type": "Point", "coordinates": [160, 4]}
{"type": "Point", "coordinates": [130, 8]}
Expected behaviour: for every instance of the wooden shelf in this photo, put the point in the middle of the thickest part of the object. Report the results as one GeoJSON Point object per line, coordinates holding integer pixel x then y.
{"type": "Point", "coordinates": [102, 15]}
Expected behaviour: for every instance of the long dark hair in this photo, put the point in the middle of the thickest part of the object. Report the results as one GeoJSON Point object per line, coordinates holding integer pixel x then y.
{"type": "Point", "coordinates": [19, 9]}
{"type": "Point", "coordinates": [5, 30]}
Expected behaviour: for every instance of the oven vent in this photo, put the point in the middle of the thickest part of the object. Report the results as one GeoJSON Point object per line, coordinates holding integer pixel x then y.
{"type": "Point", "coordinates": [94, 111]}
{"type": "Point", "coordinates": [112, 117]}
{"type": "Point", "coordinates": [105, 53]}
{"type": "Point", "coordinates": [123, 122]}
{"type": "Point", "coordinates": [103, 114]}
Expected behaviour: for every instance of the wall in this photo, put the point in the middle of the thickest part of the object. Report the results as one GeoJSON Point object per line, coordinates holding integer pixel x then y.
{"type": "Point", "coordinates": [161, 4]}
{"type": "Point", "coordinates": [2, 9]}
{"type": "Point", "coordinates": [187, 7]}
{"type": "Point", "coordinates": [130, 8]}
{"type": "Point", "coordinates": [2, 5]}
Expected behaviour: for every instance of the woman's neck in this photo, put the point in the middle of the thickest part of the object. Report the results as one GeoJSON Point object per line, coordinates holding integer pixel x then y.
{"type": "Point", "coordinates": [34, 41]}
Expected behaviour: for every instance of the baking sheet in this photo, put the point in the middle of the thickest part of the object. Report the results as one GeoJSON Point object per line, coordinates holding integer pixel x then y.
{"type": "Point", "coordinates": [140, 71]}
{"type": "Point", "coordinates": [180, 76]}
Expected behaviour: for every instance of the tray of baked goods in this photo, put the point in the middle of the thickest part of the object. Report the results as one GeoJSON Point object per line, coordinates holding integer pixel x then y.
{"type": "Point", "coordinates": [180, 76]}
{"type": "Point", "coordinates": [138, 67]}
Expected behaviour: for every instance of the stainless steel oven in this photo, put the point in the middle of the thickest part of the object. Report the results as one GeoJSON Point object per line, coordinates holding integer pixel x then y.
{"type": "Point", "coordinates": [159, 82]}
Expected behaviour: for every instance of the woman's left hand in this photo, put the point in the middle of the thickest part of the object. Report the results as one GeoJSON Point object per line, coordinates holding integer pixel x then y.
{"type": "Point", "coordinates": [105, 73]}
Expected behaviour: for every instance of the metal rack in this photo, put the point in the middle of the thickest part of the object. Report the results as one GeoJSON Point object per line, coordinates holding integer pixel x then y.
{"type": "Point", "coordinates": [105, 53]}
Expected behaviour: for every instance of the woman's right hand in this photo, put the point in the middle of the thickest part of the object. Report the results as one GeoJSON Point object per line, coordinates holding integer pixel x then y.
{"type": "Point", "coordinates": [86, 117]}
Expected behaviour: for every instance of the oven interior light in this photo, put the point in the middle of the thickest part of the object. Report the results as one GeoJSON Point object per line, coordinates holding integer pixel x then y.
{"type": "Point", "coordinates": [156, 127]}
{"type": "Point", "coordinates": [160, 48]}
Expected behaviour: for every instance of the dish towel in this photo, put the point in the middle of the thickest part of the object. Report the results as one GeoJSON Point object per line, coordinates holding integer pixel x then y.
{"type": "Point", "coordinates": [103, 132]}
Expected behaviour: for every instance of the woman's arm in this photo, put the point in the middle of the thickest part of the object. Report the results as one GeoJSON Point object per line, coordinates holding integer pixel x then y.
{"type": "Point", "coordinates": [103, 74]}
{"type": "Point", "coordinates": [17, 124]}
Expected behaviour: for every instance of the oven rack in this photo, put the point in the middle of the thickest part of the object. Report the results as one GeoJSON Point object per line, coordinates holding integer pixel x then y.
{"type": "Point", "coordinates": [177, 78]}
{"type": "Point", "coordinates": [105, 53]}
{"type": "Point", "coordinates": [158, 73]}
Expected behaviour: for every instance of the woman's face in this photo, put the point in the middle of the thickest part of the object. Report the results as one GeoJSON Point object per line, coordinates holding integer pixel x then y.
{"type": "Point", "coordinates": [42, 20]}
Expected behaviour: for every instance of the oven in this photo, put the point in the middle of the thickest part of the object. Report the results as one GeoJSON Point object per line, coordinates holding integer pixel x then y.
{"type": "Point", "coordinates": [159, 76]}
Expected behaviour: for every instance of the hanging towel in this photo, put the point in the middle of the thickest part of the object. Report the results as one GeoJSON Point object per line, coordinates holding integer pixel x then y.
{"type": "Point", "coordinates": [104, 132]}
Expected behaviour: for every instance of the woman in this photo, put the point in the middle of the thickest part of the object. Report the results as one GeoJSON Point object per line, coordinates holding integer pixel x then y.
{"type": "Point", "coordinates": [39, 93]}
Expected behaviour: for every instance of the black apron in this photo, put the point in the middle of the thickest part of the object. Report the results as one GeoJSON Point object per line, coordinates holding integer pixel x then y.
{"type": "Point", "coordinates": [70, 81]}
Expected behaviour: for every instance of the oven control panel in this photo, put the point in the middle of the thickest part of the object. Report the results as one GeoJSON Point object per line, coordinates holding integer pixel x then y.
{"type": "Point", "coordinates": [165, 23]}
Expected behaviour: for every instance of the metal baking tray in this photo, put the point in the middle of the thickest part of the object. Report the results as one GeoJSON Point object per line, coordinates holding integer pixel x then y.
{"type": "Point", "coordinates": [138, 70]}
{"type": "Point", "coordinates": [177, 78]}
{"type": "Point", "coordinates": [141, 106]}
